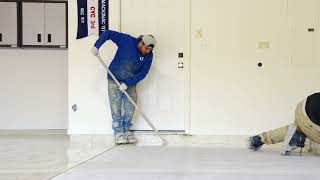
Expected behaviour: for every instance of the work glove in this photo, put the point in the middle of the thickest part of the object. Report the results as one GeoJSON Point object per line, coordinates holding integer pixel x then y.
{"type": "Point", "coordinates": [95, 51]}
{"type": "Point", "coordinates": [123, 87]}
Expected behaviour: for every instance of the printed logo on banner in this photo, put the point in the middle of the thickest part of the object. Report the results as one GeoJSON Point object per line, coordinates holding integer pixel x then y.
{"type": "Point", "coordinates": [92, 17]}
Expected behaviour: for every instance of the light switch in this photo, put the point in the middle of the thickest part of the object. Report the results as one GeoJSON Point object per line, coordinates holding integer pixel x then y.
{"type": "Point", "coordinates": [198, 34]}
{"type": "Point", "coordinates": [263, 44]}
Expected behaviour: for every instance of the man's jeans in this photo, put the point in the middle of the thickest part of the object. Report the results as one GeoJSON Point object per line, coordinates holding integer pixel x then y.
{"type": "Point", "coordinates": [122, 109]}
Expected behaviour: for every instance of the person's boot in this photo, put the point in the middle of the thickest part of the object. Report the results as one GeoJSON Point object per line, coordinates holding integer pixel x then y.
{"type": "Point", "coordinates": [255, 142]}
{"type": "Point", "coordinates": [120, 138]}
{"type": "Point", "coordinates": [293, 140]}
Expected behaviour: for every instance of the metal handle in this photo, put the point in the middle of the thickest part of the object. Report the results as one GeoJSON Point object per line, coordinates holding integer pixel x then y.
{"type": "Point", "coordinates": [310, 29]}
{"type": "Point", "coordinates": [49, 37]}
{"type": "Point", "coordinates": [39, 37]}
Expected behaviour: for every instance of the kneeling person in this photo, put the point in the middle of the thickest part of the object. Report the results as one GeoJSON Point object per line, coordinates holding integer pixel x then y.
{"type": "Point", "coordinates": [306, 124]}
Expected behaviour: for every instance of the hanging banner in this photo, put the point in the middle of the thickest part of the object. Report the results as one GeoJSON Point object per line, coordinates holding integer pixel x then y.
{"type": "Point", "coordinates": [93, 17]}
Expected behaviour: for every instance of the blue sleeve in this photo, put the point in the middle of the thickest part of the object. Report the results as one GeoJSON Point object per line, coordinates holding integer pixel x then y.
{"type": "Point", "coordinates": [110, 35]}
{"type": "Point", "coordinates": [141, 74]}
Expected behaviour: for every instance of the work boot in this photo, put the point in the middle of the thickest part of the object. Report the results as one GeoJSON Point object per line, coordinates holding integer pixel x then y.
{"type": "Point", "coordinates": [131, 138]}
{"type": "Point", "coordinates": [120, 138]}
{"type": "Point", "coordinates": [293, 140]}
{"type": "Point", "coordinates": [255, 142]}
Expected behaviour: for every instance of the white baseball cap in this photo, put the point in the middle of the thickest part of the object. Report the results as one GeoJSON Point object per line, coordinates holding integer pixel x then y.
{"type": "Point", "coordinates": [149, 40]}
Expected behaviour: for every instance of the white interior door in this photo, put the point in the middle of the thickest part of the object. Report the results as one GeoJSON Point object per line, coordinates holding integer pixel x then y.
{"type": "Point", "coordinates": [162, 94]}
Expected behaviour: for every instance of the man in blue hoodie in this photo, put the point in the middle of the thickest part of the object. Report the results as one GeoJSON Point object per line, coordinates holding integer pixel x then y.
{"type": "Point", "coordinates": [130, 65]}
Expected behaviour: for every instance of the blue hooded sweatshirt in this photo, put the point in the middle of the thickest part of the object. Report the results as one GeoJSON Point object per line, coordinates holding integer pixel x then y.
{"type": "Point", "coordinates": [129, 66]}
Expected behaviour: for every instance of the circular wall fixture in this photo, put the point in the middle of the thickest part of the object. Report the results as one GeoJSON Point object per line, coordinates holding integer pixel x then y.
{"type": "Point", "coordinates": [74, 107]}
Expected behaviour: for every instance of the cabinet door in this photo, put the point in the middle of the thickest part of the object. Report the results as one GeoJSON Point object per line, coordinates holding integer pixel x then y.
{"type": "Point", "coordinates": [55, 24]}
{"type": "Point", "coordinates": [8, 23]}
{"type": "Point", "coordinates": [33, 23]}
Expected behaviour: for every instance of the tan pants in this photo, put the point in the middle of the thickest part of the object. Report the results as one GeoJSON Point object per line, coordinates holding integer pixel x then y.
{"type": "Point", "coordinates": [303, 123]}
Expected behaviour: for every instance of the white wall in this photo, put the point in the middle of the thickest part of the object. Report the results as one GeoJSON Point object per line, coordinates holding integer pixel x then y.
{"type": "Point", "coordinates": [33, 89]}
{"type": "Point", "coordinates": [87, 78]}
{"type": "Point", "coordinates": [229, 93]}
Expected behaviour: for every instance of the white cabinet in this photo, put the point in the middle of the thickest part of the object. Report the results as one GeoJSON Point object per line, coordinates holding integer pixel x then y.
{"type": "Point", "coordinates": [33, 23]}
{"type": "Point", "coordinates": [44, 24]}
{"type": "Point", "coordinates": [8, 24]}
{"type": "Point", "coordinates": [55, 26]}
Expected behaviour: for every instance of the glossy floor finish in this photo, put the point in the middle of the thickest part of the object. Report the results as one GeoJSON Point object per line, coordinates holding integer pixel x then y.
{"type": "Point", "coordinates": [85, 157]}
{"type": "Point", "coordinates": [42, 156]}
{"type": "Point", "coordinates": [194, 163]}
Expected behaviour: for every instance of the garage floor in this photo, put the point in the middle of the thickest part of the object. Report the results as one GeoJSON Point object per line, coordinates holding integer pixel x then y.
{"type": "Point", "coordinates": [173, 163]}
{"type": "Point", "coordinates": [61, 157]}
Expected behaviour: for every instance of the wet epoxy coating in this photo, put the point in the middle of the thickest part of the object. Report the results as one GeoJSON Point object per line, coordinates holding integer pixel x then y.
{"type": "Point", "coordinates": [188, 163]}
{"type": "Point", "coordinates": [61, 157]}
